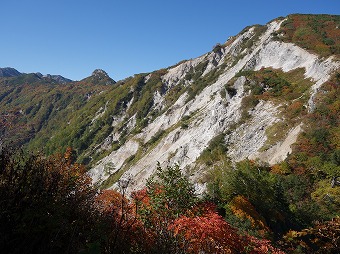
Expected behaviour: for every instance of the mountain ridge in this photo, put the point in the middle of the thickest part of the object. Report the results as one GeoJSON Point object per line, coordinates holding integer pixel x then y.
{"type": "Point", "coordinates": [9, 72]}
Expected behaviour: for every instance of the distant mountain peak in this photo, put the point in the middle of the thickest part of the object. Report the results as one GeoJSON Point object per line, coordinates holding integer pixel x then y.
{"type": "Point", "coordinates": [9, 72]}
{"type": "Point", "coordinates": [99, 76]}
{"type": "Point", "coordinates": [99, 73]}
{"type": "Point", "coordinates": [39, 74]}
{"type": "Point", "coordinates": [58, 78]}
{"type": "Point", "coordinates": [18, 77]}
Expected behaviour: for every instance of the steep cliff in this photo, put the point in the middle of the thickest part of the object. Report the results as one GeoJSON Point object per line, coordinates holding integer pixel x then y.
{"type": "Point", "coordinates": [243, 90]}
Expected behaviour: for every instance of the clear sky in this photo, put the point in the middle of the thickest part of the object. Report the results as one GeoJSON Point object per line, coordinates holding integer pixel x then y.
{"type": "Point", "coordinates": [125, 37]}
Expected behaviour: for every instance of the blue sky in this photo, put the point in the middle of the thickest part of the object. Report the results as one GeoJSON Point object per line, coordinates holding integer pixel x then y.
{"type": "Point", "coordinates": [74, 37]}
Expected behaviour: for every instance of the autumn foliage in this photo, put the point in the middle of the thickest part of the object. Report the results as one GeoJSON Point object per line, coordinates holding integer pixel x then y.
{"type": "Point", "coordinates": [194, 228]}
{"type": "Point", "coordinates": [121, 226]}
{"type": "Point", "coordinates": [318, 33]}
{"type": "Point", "coordinates": [242, 208]}
{"type": "Point", "coordinates": [208, 233]}
{"type": "Point", "coordinates": [45, 203]}
{"type": "Point", "coordinates": [48, 205]}
{"type": "Point", "coordinates": [323, 237]}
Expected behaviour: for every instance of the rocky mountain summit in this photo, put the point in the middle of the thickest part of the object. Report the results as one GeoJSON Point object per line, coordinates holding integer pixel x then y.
{"type": "Point", "coordinates": [99, 76]}
{"type": "Point", "coordinates": [99, 73]}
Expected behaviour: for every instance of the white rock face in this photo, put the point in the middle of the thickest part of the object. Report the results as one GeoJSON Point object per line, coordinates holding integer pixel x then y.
{"type": "Point", "coordinates": [248, 138]}
{"type": "Point", "coordinates": [176, 74]}
{"type": "Point", "coordinates": [211, 114]}
{"type": "Point", "coordinates": [279, 152]}
{"type": "Point", "coordinates": [116, 159]}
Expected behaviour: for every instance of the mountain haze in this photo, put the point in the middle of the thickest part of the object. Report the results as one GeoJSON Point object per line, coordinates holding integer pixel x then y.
{"type": "Point", "coordinates": [249, 98]}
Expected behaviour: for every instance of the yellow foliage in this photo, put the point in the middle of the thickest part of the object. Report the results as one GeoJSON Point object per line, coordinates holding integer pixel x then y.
{"type": "Point", "coordinates": [242, 208]}
{"type": "Point", "coordinates": [280, 169]}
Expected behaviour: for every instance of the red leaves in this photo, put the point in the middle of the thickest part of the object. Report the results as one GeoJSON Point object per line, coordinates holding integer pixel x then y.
{"type": "Point", "coordinates": [260, 246]}
{"type": "Point", "coordinates": [209, 233]}
{"type": "Point", "coordinates": [108, 200]}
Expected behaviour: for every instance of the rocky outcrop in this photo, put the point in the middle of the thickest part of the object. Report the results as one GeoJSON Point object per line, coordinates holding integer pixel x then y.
{"type": "Point", "coordinates": [99, 73]}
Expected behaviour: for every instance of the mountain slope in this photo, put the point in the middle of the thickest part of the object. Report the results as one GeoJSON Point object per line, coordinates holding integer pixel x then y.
{"type": "Point", "coordinates": [250, 97]}
{"type": "Point", "coordinates": [34, 106]}
{"type": "Point", "coordinates": [215, 95]}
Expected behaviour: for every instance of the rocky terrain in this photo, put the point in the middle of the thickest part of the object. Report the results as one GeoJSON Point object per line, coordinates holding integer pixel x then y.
{"type": "Point", "coordinates": [209, 114]}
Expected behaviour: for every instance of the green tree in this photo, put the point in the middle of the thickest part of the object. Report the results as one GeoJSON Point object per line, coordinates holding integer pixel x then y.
{"type": "Point", "coordinates": [172, 190]}
{"type": "Point", "coordinates": [168, 195]}
{"type": "Point", "coordinates": [262, 189]}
